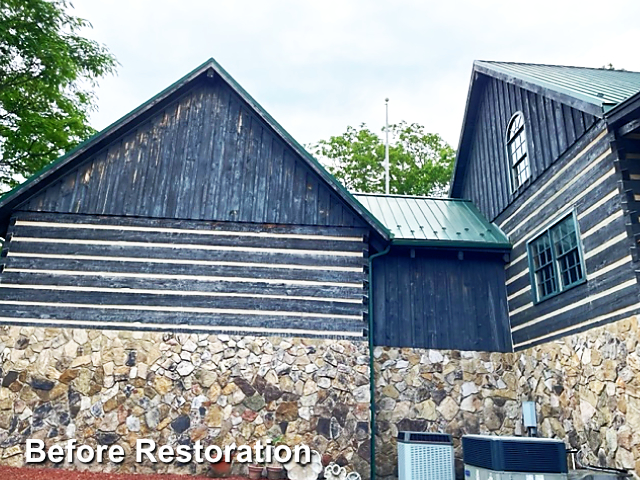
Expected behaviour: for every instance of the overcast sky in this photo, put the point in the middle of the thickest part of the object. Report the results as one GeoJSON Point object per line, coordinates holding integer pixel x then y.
{"type": "Point", "coordinates": [317, 67]}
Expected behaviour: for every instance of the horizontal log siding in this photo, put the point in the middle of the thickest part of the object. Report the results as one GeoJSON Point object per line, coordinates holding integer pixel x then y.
{"type": "Point", "coordinates": [551, 129]}
{"type": "Point", "coordinates": [437, 301]}
{"type": "Point", "coordinates": [628, 167]}
{"type": "Point", "coordinates": [583, 179]}
{"type": "Point", "coordinates": [102, 272]}
{"type": "Point", "coordinates": [206, 156]}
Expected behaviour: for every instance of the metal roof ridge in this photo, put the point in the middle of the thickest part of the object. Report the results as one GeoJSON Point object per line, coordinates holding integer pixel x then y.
{"type": "Point", "coordinates": [550, 85]}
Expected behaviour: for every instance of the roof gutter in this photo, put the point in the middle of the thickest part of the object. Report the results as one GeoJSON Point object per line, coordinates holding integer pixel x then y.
{"type": "Point", "coordinates": [453, 244]}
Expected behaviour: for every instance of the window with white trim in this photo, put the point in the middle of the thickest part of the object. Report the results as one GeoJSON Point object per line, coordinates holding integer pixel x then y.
{"type": "Point", "coordinates": [517, 151]}
{"type": "Point", "coordinates": [555, 259]}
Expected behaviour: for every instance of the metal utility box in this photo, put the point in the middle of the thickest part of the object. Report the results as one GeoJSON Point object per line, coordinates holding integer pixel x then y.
{"type": "Point", "coordinates": [425, 456]}
{"type": "Point", "coordinates": [476, 473]}
{"type": "Point", "coordinates": [488, 457]}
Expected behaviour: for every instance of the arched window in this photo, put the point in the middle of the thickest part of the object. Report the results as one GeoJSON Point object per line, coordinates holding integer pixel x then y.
{"type": "Point", "coordinates": [517, 151]}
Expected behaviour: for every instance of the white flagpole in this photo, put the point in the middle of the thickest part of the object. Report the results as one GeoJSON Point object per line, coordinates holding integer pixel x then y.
{"type": "Point", "coordinates": [386, 149]}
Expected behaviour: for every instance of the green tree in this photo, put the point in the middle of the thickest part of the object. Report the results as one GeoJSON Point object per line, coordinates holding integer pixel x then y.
{"type": "Point", "coordinates": [47, 73]}
{"type": "Point", "coordinates": [419, 163]}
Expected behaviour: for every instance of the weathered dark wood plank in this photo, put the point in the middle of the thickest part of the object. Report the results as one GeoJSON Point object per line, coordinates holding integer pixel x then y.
{"type": "Point", "coordinates": [178, 300]}
{"type": "Point", "coordinates": [445, 296]}
{"type": "Point", "coordinates": [250, 271]}
{"type": "Point", "coordinates": [551, 128]}
{"type": "Point", "coordinates": [114, 250]}
{"type": "Point", "coordinates": [193, 285]}
{"type": "Point", "coordinates": [621, 299]}
{"type": "Point", "coordinates": [191, 225]}
{"type": "Point", "coordinates": [206, 156]}
{"type": "Point", "coordinates": [97, 315]}
{"type": "Point", "coordinates": [176, 240]}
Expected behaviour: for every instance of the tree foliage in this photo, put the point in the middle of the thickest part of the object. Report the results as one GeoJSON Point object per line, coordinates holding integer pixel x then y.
{"type": "Point", "coordinates": [419, 163]}
{"type": "Point", "coordinates": [47, 72]}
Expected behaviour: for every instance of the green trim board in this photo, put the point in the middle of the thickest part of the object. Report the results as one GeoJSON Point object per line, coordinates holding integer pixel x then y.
{"type": "Point", "coordinates": [210, 68]}
{"type": "Point", "coordinates": [434, 222]}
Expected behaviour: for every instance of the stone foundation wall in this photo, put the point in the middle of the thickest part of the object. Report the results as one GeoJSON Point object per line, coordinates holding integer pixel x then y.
{"type": "Point", "coordinates": [586, 388]}
{"type": "Point", "coordinates": [442, 391]}
{"type": "Point", "coordinates": [116, 387]}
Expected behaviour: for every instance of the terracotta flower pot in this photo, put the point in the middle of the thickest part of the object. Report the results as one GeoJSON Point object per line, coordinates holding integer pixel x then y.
{"type": "Point", "coordinates": [274, 473]}
{"type": "Point", "coordinates": [255, 472]}
{"type": "Point", "coordinates": [221, 468]}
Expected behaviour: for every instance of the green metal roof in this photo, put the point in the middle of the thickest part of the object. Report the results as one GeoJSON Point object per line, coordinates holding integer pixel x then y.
{"type": "Point", "coordinates": [437, 222]}
{"type": "Point", "coordinates": [598, 86]}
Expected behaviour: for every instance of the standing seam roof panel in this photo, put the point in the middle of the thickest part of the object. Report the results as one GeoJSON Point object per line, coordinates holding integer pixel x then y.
{"type": "Point", "coordinates": [434, 221]}
{"type": "Point", "coordinates": [601, 85]}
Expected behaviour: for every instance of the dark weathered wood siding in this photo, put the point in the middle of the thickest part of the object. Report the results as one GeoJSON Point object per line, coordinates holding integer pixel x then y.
{"type": "Point", "coordinates": [551, 128]}
{"type": "Point", "coordinates": [206, 156]}
{"type": "Point", "coordinates": [584, 179]}
{"type": "Point", "coordinates": [77, 270]}
{"type": "Point", "coordinates": [436, 300]}
{"type": "Point", "coordinates": [628, 166]}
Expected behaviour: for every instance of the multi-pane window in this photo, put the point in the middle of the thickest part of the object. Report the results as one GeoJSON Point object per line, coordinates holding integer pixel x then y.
{"type": "Point", "coordinates": [555, 259]}
{"type": "Point", "coordinates": [517, 151]}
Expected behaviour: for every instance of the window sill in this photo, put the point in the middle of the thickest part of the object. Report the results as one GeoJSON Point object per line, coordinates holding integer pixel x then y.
{"type": "Point", "coordinates": [553, 295]}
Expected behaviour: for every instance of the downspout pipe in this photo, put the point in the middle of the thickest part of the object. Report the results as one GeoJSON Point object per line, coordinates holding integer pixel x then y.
{"type": "Point", "coordinates": [372, 380]}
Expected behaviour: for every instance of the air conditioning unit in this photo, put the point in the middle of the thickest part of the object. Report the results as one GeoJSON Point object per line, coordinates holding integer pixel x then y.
{"type": "Point", "coordinates": [425, 456]}
{"type": "Point", "coordinates": [488, 457]}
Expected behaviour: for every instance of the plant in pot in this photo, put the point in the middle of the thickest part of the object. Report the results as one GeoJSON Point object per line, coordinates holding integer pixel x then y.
{"type": "Point", "coordinates": [221, 468]}
{"type": "Point", "coordinates": [274, 468]}
{"type": "Point", "coordinates": [256, 469]}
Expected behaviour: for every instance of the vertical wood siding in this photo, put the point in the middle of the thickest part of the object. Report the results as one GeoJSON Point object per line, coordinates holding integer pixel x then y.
{"type": "Point", "coordinates": [437, 301]}
{"type": "Point", "coordinates": [207, 156]}
{"type": "Point", "coordinates": [551, 128]}
{"type": "Point", "coordinates": [119, 272]}
{"type": "Point", "coordinates": [583, 179]}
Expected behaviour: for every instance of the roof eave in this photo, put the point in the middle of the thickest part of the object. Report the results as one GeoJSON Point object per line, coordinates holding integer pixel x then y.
{"type": "Point", "coordinates": [624, 111]}
{"type": "Point", "coordinates": [586, 103]}
{"type": "Point", "coordinates": [454, 244]}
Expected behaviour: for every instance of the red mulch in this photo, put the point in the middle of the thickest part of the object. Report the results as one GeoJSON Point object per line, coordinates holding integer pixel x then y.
{"type": "Point", "coordinates": [12, 473]}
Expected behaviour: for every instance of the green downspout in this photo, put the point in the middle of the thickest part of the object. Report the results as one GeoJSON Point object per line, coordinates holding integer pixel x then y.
{"type": "Point", "coordinates": [372, 380]}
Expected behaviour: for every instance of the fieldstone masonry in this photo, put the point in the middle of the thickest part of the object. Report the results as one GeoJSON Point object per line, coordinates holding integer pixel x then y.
{"type": "Point", "coordinates": [586, 388]}
{"type": "Point", "coordinates": [106, 387]}
{"type": "Point", "coordinates": [115, 387]}
{"type": "Point", "coordinates": [445, 391]}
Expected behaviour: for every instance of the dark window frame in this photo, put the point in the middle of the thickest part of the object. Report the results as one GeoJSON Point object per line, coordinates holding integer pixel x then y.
{"type": "Point", "coordinates": [518, 156]}
{"type": "Point", "coordinates": [561, 260]}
